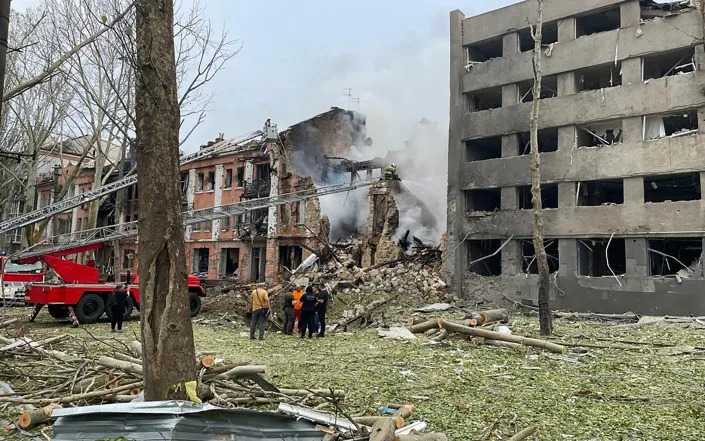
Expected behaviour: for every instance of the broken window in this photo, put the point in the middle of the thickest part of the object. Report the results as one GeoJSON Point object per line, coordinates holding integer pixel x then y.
{"type": "Point", "coordinates": [225, 223]}
{"type": "Point", "coordinates": [602, 257]}
{"type": "Point", "coordinates": [128, 259]}
{"type": "Point", "coordinates": [483, 200]}
{"type": "Point", "coordinates": [528, 256]}
{"type": "Point", "coordinates": [262, 171]}
{"type": "Point", "coordinates": [666, 64]}
{"type": "Point", "coordinates": [604, 192]}
{"type": "Point", "coordinates": [486, 50]}
{"type": "Point", "coordinates": [651, 9]}
{"type": "Point", "coordinates": [595, 22]}
{"type": "Point", "coordinates": [485, 257]}
{"type": "Point", "coordinates": [184, 182]}
{"type": "Point", "coordinates": [672, 125]}
{"type": "Point", "coordinates": [200, 260]}
{"type": "Point", "coordinates": [285, 211]}
{"type": "Point", "coordinates": [549, 87]}
{"type": "Point", "coordinates": [228, 178]}
{"type": "Point", "coordinates": [680, 257]}
{"type": "Point", "coordinates": [289, 257]}
{"type": "Point", "coordinates": [199, 182]}
{"type": "Point", "coordinates": [600, 134]}
{"type": "Point", "coordinates": [549, 196]}
{"type": "Point", "coordinates": [302, 213]}
{"type": "Point", "coordinates": [229, 262]}
{"type": "Point", "coordinates": [599, 77]}
{"type": "Point", "coordinates": [210, 184]}
{"type": "Point", "coordinates": [196, 227]}
{"type": "Point", "coordinates": [240, 176]}
{"type": "Point", "coordinates": [257, 264]}
{"type": "Point", "coordinates": [549, 35]}
{"type": "Point", "coordinates": [483, 149]}
{"type": "Point", "coordinates": [672, 188]}
{"type": "Point", "coordinates": [485, 99]}
{"type": "Point", "coordinates": [548, 141]}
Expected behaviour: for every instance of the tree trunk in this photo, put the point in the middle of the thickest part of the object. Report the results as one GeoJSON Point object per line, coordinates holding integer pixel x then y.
{"type": "Point", "coordinates": [167, 334]}
{"type": "Point", "coordinates": [539, 249]}
{"type": "Point", "coordinates": [4, 32]}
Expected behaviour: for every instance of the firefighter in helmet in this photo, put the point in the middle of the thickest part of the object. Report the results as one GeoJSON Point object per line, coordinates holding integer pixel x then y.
{"type": "Point", "coordinates": [390, 173]}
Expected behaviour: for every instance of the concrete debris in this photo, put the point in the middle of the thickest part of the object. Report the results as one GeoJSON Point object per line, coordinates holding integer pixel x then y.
{"type": "Point", "coordinates": [434, 307]}
{"type": "Point", "coordinates": [396, 333]}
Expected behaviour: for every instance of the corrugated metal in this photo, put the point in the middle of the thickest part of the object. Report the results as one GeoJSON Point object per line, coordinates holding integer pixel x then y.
{"type": "Point", "coordinates": [177, 420]}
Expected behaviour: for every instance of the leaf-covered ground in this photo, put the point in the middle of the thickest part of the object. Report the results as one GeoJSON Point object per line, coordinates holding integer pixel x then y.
{"type": "Point", "coordinates": [624, 392]}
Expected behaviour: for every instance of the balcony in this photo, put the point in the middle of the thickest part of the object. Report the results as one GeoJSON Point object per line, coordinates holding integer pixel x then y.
{"type": "Point", "coordinates": [258, 188]}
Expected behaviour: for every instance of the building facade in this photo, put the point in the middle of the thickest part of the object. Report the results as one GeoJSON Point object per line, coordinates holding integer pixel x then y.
{"type": "Point", "coordinates": [621, 132]}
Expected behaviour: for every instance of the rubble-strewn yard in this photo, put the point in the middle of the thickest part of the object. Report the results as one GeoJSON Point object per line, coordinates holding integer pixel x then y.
{"type": "Point", "coordinates": [628, 391]}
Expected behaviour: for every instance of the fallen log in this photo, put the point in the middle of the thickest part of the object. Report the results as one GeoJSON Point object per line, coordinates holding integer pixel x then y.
{"type": "Point", "coordinates": [9, 322]}
{"type": "Point", "coordinates": [227, 367]}
{"type": "Point", "coordinates": [383, 430]}
{"type": "Point", "coordinates": [71, 398]}
{"type": "Point", "coordinates": [371, 420]}
{"type": "Point", "coordinates": [433, 323]}
{"type": "Point", "coordinates": [523, 434]}
{"type": "Point", "coordinates": [34, 417]}
{"type": "Point", "coordinates": [442, 335]}
{"type": "Point", "coordinates": [431, 332]}
{"type": "Point", "coordinates": [492, 335]}
{"type": "Point", "coordinates": [21, 343]}
{"type": "Point", "coordinates": [240, 371]}
{"type": "Point", "coordinates": [207, 361]}
{"type": "Point", "coordinates": [503, 344]}
{"type": "Point", "coordinates": [120, 364]}
{"type": "Point", "coordinates": [97, 382]}
{"type": "Point", "coordinates": [489, 316]}
{"type": "Point", "coordinates": [135, 348]}
{"type": "Point", "coordinates": [416, 320]}
{"type": "Point", "coordinates": [365, 312]}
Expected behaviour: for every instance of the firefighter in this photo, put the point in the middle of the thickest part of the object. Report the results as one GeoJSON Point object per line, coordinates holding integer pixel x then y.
{"type": "Point", "coordinates": [390, 173]}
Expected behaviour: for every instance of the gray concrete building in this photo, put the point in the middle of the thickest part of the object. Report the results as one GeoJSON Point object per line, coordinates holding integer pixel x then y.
{"type": "Point", "coordinates": [622, 155]}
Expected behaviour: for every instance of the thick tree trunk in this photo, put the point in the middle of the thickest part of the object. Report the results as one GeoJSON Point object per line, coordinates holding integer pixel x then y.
{"type": "Point", "coordinates": [167, 334]}
{"type": "Point", "coordinates": [539, 249]}
{"type": "Point", "coordinates": [4, 32]}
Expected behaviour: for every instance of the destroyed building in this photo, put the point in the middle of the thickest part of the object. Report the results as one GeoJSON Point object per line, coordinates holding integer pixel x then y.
{"type": "Point", "coordinates": [620, 140]}
{"type": "Point", "coordinates": [263, 245]}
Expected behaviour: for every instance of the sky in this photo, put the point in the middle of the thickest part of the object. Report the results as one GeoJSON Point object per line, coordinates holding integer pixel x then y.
{"type": "Point", "coordinates": [298, 56]}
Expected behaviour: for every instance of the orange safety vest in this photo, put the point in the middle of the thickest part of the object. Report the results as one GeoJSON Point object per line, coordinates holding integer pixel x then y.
{"type": "Point", "coordinates": [297, 299]}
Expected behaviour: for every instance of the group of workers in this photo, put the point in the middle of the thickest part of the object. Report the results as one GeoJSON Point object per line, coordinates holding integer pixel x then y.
{"type": "Point", "coordinates": [307, 307]}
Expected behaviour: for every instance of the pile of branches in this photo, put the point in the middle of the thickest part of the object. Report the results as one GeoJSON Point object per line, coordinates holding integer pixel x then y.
{"type": "Point", "coordinates": [477, 326]}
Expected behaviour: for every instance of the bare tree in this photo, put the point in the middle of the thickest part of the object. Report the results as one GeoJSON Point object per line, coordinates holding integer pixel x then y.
{"type": "Point", "coordinates": [539, 248]}
{"type": "Point", "coordinates": [167, 334]}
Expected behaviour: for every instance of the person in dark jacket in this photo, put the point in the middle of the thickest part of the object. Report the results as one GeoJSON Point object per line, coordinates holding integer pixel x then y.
{"type": "Point", "coordinates": [288, 307]}
{"type": "Point", "coordinates": [117, 304]}
{"type": "Point", "coordinates": [322, 297]}
{"type": "Point", "coordinates": [308, 309]}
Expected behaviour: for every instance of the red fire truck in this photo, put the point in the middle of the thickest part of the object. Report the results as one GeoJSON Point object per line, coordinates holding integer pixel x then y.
{"type": "Point", "coordinates": [79, 294]}
{"type": "Point", "coordinates": [15, 276]}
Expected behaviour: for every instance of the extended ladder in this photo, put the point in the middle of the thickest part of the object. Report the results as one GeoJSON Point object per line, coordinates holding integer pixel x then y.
{"type": "Point", "coordinates": [110, 233]}
{"type": "Point", "coordinates": [72, 202]}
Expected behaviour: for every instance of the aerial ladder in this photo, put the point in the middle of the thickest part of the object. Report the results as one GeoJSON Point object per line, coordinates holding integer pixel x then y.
{"type": "Point", "coordinates": [74, 201]}
{"type": "Point", "coordinates": [94, 238]}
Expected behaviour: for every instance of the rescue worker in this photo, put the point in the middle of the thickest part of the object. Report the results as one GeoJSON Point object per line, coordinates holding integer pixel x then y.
{"type": "Point", "coordinates": [308, 309]}
{"type": "Point", "coordinates": [322, 308]}
{"type": "Point", "coordinates": [117, 304]}
{"type": "Point", "coordinates": [297, 294]}
{"type": "Point", "coordinates": [390, 173]}
{"type": "Point", "coordinates": [288, 307]}
{"type": "Point", "coordinates": [260, 312]}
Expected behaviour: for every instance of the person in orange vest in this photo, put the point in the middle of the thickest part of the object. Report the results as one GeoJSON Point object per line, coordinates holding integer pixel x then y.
{"type": "Point", "coordinates": [297, 293]}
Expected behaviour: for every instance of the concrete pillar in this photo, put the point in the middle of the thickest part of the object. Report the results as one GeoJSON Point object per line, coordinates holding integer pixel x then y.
{"type": "Point", "coordinates": [217, 201]}
{"type": "Point", "coordinates": [511, 258]}
{"type": "Point", "coordinates": [457, 262]}
{"type": "Point", "coordinates": [567, 138]}
{"type": "Point", "coordinates": [190, 195]}
{"type": "Point", "coordinates": [700, 57]}
{"type": "Point", "coordinates": [567, 84]}
{"type": "Point", "coordinates": [74, 212]}
{"type": "Point", "coordinates": [632, 72]}
{"type": "Point", "coordinates": [637, 257]}
{"type": "Point", "coordinates": [633, 129]}
{"type": "Point", "coordinates": [510, 146]}
{"type": "Point", "coordinates": [566, 29]}
{"type": "Point", "coordinates": [249, 171]}
{"type": "Point", "coordinates": [701, 120]}
{"type": "Point", "coordinates": [634, 191]}
{"type": "Point", "coordinates": [510, 95]}
{"type": "Point", "coordinates": [566, 194]}
{"type": "Point", "coordinates": [630, 13]}
{"type": "Point", "coordinates": [510, 44]}
{"type": "Point", "coordinates": [509, 199]}
{"type": "Point", "coordinates": [567, 257]}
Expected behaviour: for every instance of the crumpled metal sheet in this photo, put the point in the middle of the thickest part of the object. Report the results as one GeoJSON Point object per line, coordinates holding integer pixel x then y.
{"type": "Point", "coordinates": [177, 420]}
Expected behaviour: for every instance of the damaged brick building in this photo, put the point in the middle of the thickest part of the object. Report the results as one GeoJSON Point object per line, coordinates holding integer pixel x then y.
{"type": "Point", "coordinates": [264, 244]}
{"type": "Point", "coordinates": [622, 125]}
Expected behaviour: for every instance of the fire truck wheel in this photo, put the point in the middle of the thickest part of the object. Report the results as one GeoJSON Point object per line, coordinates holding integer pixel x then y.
{"type": "Point", "coordinates": [90, 308]}
{"type": "Point", "coordinates": [194, 304]}
{"type": "Point", "coordinates": [58, 311]}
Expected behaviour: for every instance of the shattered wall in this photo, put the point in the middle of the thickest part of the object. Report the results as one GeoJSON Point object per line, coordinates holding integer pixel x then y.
{"type": "Point", "coordinates": [382, 223]}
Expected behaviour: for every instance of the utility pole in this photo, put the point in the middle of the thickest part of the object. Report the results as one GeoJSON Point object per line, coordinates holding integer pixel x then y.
{"type": "Point", "coordinates": [4, 33]}
{"type": "Point", "coordinates": [348, 93]}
